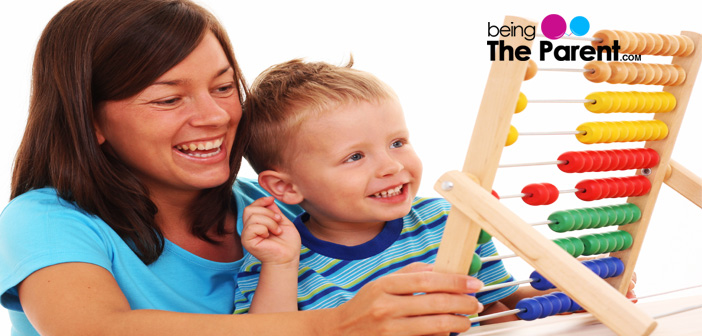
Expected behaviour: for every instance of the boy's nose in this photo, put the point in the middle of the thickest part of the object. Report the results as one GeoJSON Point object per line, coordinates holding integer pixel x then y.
{"type": "Point", "coordinates": [389, 166]}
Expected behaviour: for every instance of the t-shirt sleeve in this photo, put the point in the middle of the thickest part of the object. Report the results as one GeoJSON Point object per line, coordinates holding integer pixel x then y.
{"type": "Point", "coordinates": [37, 229]}
{"type": "Point", "coordinates": [247, 281]}
{"type": "Point", "coordinates": [247, 190]}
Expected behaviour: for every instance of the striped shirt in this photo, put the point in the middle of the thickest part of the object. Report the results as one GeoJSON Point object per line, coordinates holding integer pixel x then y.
{"type": "Point", "coordinates": [331, 274]}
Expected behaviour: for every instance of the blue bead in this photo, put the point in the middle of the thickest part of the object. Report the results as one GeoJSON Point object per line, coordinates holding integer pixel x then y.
{"type": "Point", "coordinates": [565, 301]}
{"type": "Point", "coordinates": [611, 266]}
{"type": "Point", "coordinates": [531, 309]}
{"type": "Point", "coordinates": [619, 266]}
{"type": "Point", "coordinates": [546, 306]}
{"type": "Point", "coordinates": [540, 283]}
{"type": "Point", "coordinates": [574, 306]}
{"type": "Point", "coordinates": [593, 266]}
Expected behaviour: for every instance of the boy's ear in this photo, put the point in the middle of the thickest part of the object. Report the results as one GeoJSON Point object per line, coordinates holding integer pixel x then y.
{"type": "Point", "coordinates": [280, 186]}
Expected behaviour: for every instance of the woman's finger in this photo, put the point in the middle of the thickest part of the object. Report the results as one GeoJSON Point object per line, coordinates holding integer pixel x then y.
{"type": "Point", "coordinates": [428, 282]}
{"type": "Point", "coordinates": [438, 303]}
{"type": "Point", "coordinates": [416, 267]}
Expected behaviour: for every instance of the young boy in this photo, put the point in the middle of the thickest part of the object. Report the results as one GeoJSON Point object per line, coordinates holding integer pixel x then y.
{"type": "Point", "coordinates": [334, 140]}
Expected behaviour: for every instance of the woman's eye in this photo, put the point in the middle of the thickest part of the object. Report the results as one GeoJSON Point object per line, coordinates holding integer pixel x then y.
{"type": "Point", "coordinates": [167, 102]}
{"type": "Point", "coordinates": [225, 90]}
{"type": "Point", "coordinates": [354, 157]}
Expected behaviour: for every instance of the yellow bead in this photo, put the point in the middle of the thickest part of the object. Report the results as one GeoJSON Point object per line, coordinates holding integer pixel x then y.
{"type": "Point", "coordinates": [633, 101]}
{"type": "Point", "coordinates": [663, 127]}
{"type": "Point", "coordinates": [606, 130]}
{"type": "Point", "coordinates": [521, 103]}
{"type": "Point", "coordinates": [645, 105]}
{"type": "Point", "coordinates": [512, 136]}
{"type": "Point", "coordinates": [670, 99]}
{"type": "Point", "coordinates": [657, 102]}
{"type": "Point", "coordinates": [589, 133]}
{"type": "Point", "coordinates": [602, 104]}
{"type": "Point", "coordinates": [648, 130]}
{"type": "Point", "coordinates": [631, 131]}
{"type": "Point", "coordinates": [619, 102]}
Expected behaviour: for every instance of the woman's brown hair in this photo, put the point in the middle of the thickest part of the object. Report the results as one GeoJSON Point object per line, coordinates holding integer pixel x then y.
{"type": "Point", "coordinates": [99, 50]}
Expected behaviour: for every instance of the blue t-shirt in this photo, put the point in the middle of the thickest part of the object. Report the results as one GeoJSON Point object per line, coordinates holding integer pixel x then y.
{"type": "Point", "coordinates": [39, 229]}
{"type": "Point", "coordinates": [330, 274]}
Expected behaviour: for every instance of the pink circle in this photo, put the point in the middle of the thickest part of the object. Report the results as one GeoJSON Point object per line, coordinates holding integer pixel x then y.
{"type": "Point", "coordinates": [553, 26]}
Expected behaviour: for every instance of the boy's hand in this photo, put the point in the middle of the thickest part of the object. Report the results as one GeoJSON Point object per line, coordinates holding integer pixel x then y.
{"type": "Point", "coordinates": [269, 235]}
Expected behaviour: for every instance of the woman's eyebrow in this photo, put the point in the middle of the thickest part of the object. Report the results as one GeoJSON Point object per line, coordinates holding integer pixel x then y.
{"type": "Point", "coordinates": [175, 82]}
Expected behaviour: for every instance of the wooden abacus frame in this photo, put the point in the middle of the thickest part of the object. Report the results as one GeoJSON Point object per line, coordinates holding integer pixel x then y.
{"type": "Point", "coordinates": [474, 208]}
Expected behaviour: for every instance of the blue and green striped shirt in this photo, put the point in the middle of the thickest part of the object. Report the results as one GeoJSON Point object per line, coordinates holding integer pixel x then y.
{"type": "Point", "coordinates": [331, 274]}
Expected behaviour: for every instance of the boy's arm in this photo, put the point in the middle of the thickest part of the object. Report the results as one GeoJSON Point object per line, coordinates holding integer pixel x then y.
{"type": "Point", "coordinates": [273, 239]}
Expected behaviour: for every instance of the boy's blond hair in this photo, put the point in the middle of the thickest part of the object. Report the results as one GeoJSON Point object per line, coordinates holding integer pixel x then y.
{"type": "Point", "coordinates": [285, 95]}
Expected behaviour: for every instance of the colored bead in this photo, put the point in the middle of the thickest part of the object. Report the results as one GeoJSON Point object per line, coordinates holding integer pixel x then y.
{"type": "Point", "coordinates": [484, 237]}
{"type": "Point", "coordinates": [602, 104]}
{"type": "Point", "coordinates": [540, 194]}
{"type": "Point", "coordinates": [601, 71]}
{"type": "Point", "coordinates": [540, 283]}
{"type": "Point", "coordinates": [591, 244]}
{"type": "Point", "coordinates": [607, 38]}
{"type": "Point", "coordinates": [531, 309]}
{"type": "Point", "coordinates": [512, 136]}
{"type": "Point", "coordinates": [521, 103]}
{"type": "Point", "coordinates": [475, 265]}
{"type": "Point", "coordinates": [555, 303]}
{"type": "Point", "coordinates": [531, 70]}
{"type": "Point", "coordinates": [546, 306]}
{"type": "Point", "coordinates": [565, 301]}
{"type": "Point", "coordinates": [564, 221]}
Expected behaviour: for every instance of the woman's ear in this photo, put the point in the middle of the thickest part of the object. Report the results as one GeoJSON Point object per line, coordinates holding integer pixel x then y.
{"type": "Point", "coordinates": [98, 133]}
{"type": "Point", "coordinates": [280, 186]}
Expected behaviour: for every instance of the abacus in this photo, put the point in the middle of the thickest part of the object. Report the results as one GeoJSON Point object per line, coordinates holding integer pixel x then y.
{"type": "Point", "coordinates": [477, 214]}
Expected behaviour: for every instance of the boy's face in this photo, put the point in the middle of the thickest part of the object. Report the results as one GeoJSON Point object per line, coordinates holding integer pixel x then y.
{"type": "Point", "coordinates": [355, 164]}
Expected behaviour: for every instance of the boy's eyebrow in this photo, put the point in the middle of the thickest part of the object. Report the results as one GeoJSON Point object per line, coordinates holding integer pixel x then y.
{"type": "Point", "coordinates": [181, 81]}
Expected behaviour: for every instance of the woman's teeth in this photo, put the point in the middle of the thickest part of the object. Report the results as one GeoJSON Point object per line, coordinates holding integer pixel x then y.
{"type": "Point", "coordinates": [191, 148]}
{"type": "Point", "coordinates": [389, 193]}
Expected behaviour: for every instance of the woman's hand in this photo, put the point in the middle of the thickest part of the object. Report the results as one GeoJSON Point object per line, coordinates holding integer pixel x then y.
{"type": "Point", "coordinates": [388, 306]}
{"type": "Point", "coordinates": [269, 235]}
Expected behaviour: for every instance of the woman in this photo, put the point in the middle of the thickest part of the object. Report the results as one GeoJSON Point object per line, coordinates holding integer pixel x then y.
{"type": "Point", "coordinates": [125, 205]}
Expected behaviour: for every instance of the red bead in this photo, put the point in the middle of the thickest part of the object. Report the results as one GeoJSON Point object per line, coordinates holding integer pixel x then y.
{"type": "Point", "coordinates": [619, 159]}
{"type": "Point", "coordinates": [598, 160]}
{"type": "Point", "coordinates": [591, 190]}
{"type": "Point", "coordinates": [574, 162]}
{"type": "Point", "coordinates": [639, 159]}
{"type": "Point", "coordinates": [652, 157]}
{"type": "Point", "coordinates": [540, 194]}
{"type": "Point", "coordinates": [645, 184]}
{"type": "Point", "coordinates": [494, 193]}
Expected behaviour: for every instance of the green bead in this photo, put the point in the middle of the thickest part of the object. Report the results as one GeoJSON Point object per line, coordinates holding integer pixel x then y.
{"type": "Point", "coordinates": [616, 239]}
{"type": "Point", "coordinates": [579, 223]}
{"type": "Point", "coordinates": [475, 265]}
{"type": "Point", "coordinates": [628, 240]}
{"type": "Point", "coordinates": [629, 214]}
{"type": "Point", "coordinates": [604, 243]}
{"type": "Point", "coordinates": [611, 243]}
{"type": "Point", "coordinates": [594, 217]}
{"type": "Point", "coordinates": [604, 217]}
{"type": "Point", "coordinates": [563, 221]}
{"type": "Point", "coordinates": [636, 211]}
{"type": "Point", "coordinates": [484, 237]}
{"type": "Point", "coordinates": [591, 244]}
{"type": "Point", "coordinates": [578, 246]}
{"type": "Point", "coordinates": [621, 215]}
{"type": "Point", "coordinates": [565, 244]}
{"type": "Point", "coordinates": [587, 219]}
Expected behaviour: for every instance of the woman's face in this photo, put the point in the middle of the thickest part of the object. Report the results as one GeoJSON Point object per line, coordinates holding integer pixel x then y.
{"type": "Point", "coordinates": [177, 134]}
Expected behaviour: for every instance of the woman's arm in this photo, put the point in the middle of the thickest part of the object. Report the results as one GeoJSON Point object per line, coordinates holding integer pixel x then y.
{"type": "Point", "coordinates": [84, 299]}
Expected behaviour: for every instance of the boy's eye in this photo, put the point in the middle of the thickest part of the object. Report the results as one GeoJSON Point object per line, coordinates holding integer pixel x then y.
{"type": "Point", "coordinates": [397, 144]}
{"type": "Point", "coordinates": [354, 157]}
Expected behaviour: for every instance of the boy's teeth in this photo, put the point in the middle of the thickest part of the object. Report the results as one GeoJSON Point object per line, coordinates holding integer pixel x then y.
{"type": "Point", "coordinates": [389, 193]}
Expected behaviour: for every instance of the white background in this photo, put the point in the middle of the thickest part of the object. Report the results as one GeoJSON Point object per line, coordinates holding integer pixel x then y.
{"type": "Point", "coordinates": [434, 54]}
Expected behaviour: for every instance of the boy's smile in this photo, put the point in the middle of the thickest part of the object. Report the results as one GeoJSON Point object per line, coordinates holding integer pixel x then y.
{"type": "Point", "coordinates": [354, 166]}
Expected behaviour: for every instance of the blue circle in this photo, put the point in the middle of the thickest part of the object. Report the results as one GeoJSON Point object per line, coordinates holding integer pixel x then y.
{"type": "Point", "coordinates": [579, 26]}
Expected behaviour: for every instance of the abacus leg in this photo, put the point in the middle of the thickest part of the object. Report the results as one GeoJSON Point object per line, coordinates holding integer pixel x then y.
{"type": "Point", "coordinates": [684, 182]}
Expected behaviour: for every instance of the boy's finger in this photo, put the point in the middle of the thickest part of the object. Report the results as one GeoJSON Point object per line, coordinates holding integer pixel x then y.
{"type": "Point", "coordinates": [270, 224]}
{"type": "Point", "coordinates": [250, 211]}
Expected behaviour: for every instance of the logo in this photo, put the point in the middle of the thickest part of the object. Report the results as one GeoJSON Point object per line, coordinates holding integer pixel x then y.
{"type": "Point", "coordinates": [554, 26]}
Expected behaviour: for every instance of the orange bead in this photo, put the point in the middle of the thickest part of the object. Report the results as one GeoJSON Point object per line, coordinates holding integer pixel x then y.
{"type": "Point", "coordinates": [607, 37]}
{"type": "Point", "coordinates": [649, 73]}
{"type": "Point", "coordinates": [640, 73]}
{"type": "Point", "coordinates": [657, 44]}
{"type": "Point", "coordinates": [665, 75]}
{"type": "Point", "coordinates": [650, 44]}
{"type": "Point", "coordinates": [673, 75]}
{"type": "Point", "coordinates": [665, 46]}
{"type": "Point", "coordinates": [689, 46]}
{"type": "Point", "coordinates": [619, 72]}
{"type": "Point", "coordinates": [532, 68]}
{"type": "Point", "coordinates": [631, 73]}
{"type": "Point", "coordinates": [601, 71]}
{"type": "Point", "coordinates": [640, 43]}
{"type": "Point", "coordinates": [681, 75]}
{"type": "Point", "coordinates": [674, 45]}
{"type": "Point", "coordinates": [657, 74]}
{"type": "Point", "coordinates": [625, 41]}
